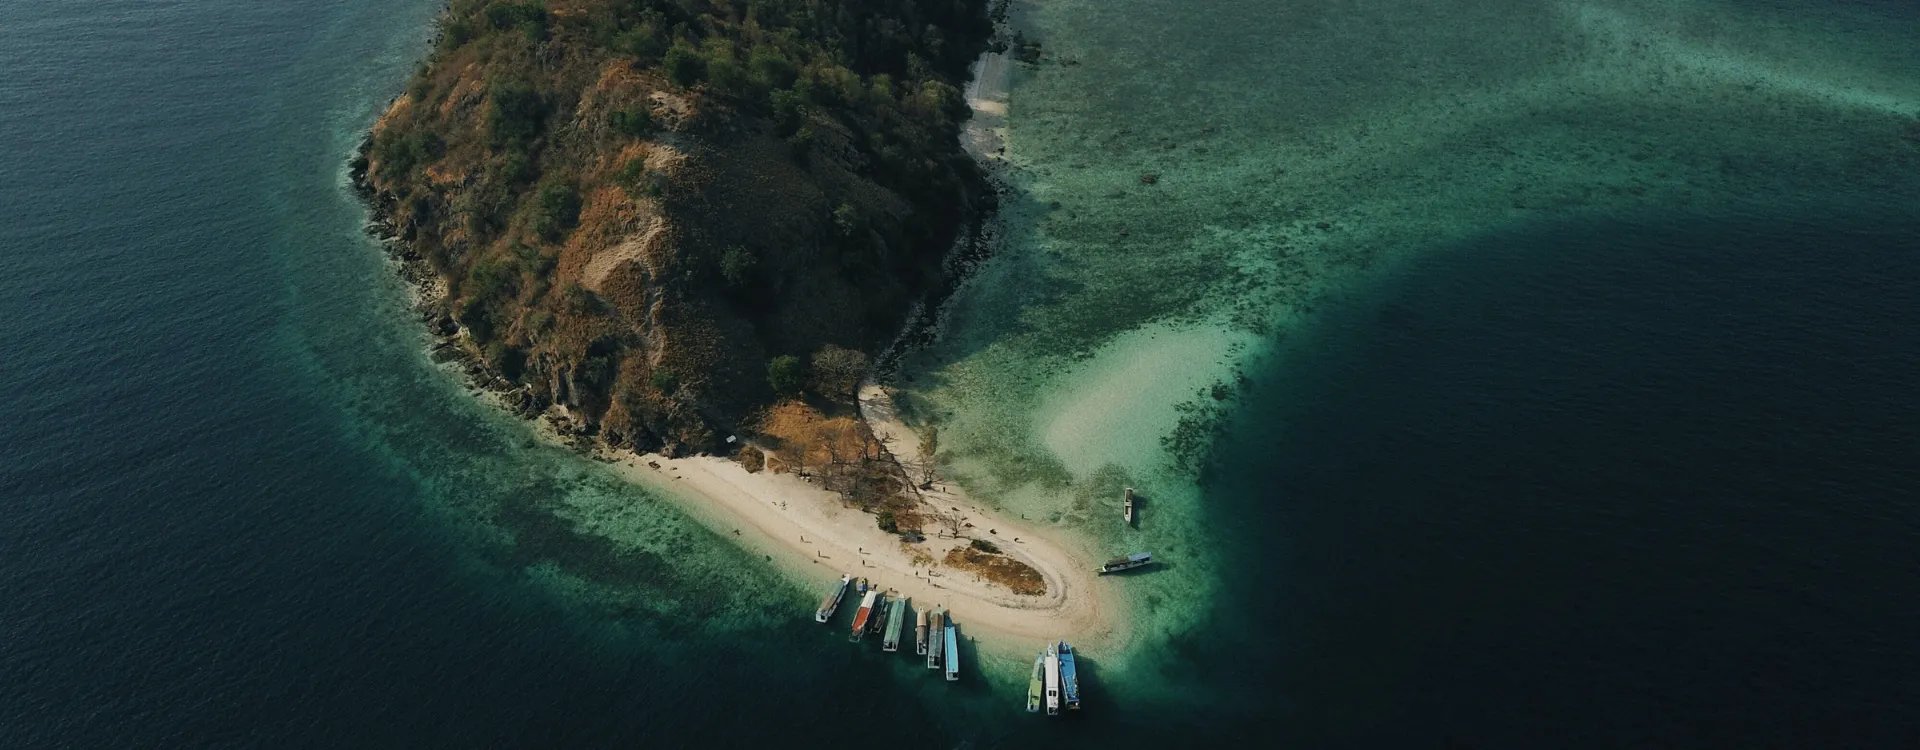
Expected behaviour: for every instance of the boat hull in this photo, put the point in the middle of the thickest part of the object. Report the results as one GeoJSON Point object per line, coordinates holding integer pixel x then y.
{"type": "Point", "coordinates": [920, 632]}
{"type": "Point", "coordinates": [831, 604]}
{"type": "Point", "coordinates": [1069, 677]}
{"type": "Point", "coordinates": [1118, 564]}
{"type": "Point", "coordinates": [934, 648]}
{"type": "Point", "coordinates": [1051, 665]}
{"type": "Point", "coordinates": [896, 624]}
{"type": "Point", "coordinates": [865, 614]}
{"type": "Point", "coordinates": [952, 659]}
{"type": "Point", "coordinates": [1037, 684]}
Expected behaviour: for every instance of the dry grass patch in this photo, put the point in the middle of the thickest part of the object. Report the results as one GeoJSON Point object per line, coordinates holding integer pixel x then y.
{"type": "Point", "coordinates": [1018, 577]}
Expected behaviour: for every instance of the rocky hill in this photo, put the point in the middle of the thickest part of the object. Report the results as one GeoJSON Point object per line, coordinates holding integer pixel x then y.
{"type": "Point", "coordinates": [658, 216]}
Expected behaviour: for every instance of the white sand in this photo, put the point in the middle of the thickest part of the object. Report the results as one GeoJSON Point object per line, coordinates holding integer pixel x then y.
{"type": "Point", "coordinates": [809, 529]}
{"type": "Point", "coordinates": [1115, 406]}
{"type": "Point", "coordinates": [985, 134]}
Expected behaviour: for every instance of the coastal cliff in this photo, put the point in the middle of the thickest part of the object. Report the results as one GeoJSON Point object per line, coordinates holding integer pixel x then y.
{"type": "Point", "coordinates": [657, 217]}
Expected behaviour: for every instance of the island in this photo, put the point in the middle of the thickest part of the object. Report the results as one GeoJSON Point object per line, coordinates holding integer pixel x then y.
{"type": "Point", "coordinates": [681, 233]}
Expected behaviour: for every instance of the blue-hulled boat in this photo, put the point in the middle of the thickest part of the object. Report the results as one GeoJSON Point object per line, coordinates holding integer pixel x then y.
{"type": "Point", "coordinates": [1069, 680]}
{"type": "Point", "coordinates": [953, 653]}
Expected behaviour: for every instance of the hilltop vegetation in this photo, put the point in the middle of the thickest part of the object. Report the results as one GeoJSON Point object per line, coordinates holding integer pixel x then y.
{"type": "Point", "coordinates": [660, 215]}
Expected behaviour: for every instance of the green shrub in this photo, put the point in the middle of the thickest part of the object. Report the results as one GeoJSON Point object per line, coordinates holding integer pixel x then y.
{"type": "Point", "coordinates": [513, 168]}
{"type": "Point", "coordinates": [800, 144]}
{"type": "Point", "coordinates": [789, 111]}
{"type": "Point", "coordinates": [577, 300]}
{"type": "Point", "coordinates": [664, 381]}
{"type": "Point", "coordinates": [770, 68]}
{"type": "Point", "coordinates": [491, 279]}
{"type": "Point", "coordinates": [399, 153]}
{"type": "Point", "coordinates": [724, 72]}
{"type": "Point", "coordinates": [530, 18]}
{"type": "Point", "coordinates": [634, 122]}
{"type": "Point", "coordinates": [683, 63]}
{"type": "Point", "coordinates": [787, 374]}
{"type": "Point", "coordinates": [456, 32]}
{"type": "Point", "coordinates": [517, 115]}
{"type": "Point", "coordinates": [847, 219]}
{"type": "Point", "coordinates": [737, 265]}
{"type": "Point", "coordinates": [638, 181]}
{"type": "Point", "coordinates": [985, 546]}
{"type": "Point", "coordinates": [556, 211]}
{"type": "Point", "coordinates": [643, 42]}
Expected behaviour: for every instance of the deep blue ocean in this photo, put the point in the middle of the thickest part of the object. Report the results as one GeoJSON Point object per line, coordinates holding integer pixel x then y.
{"type": "Point", "coordinates": [1636, 481]}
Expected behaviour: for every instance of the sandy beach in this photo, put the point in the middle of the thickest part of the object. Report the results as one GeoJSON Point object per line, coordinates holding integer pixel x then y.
{"type": "Point", "coordinates": [985, 134]}
{"type": "Point", "coordinates": [811, 531]}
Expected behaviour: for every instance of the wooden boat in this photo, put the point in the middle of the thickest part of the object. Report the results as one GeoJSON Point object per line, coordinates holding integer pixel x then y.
{"type": "Point", "coordinates": [953, 653]}
{"type": "Point", "coordinates": [920, 632]}
{"type": "Point", "coordinates": [1037, 684]}
{"type": "Point", "coordinates": [1069, 676]}
{"type": "Point", "coordinates": [879, 617]}
{"type": "Point", "coordinates": [831, 604]}
{"type": "Point", "coordinates": [1053, 681]}
{"type": "Point", "coordinates": [934, 649]}
{"type": "Point", "coordinates": [864, 614]}
{"type": "Point", "coordinates": [1135, 560]}
{"type": "Point", "coordinates": [896, 624]}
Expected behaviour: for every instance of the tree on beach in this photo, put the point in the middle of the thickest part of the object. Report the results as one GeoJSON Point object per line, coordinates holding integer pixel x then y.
{"type": "Point", "coordinates": [837, 371]}
{"type": "Point", "coordinates": [952, 521]}
{"type": "Point", "coordinates": [929, 445]}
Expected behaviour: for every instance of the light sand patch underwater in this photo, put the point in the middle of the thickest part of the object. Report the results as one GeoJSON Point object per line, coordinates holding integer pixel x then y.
{"type": "Point", "coordinates": [1185, 188]}
{"type": "Point", "coordinates": [1119, 406]}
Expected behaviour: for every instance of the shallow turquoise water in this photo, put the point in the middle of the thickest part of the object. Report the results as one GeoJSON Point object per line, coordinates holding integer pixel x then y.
{"type": "Point", "coordinates": [1300, 156]}
{"type": "Point", "coordinates": [248, 512]}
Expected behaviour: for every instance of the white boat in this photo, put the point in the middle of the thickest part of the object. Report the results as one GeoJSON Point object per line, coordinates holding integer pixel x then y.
{"type": "Point", "coordinates": [832, 603]}
{"type": "Point", "coordinates": [1127, 506]}
{"type": "Point", "coordinates": [1053, 682]}
{"type": "Point", "coordinates": [1129, 562]}
{"type": "Point", "coordinates": [920, 632]}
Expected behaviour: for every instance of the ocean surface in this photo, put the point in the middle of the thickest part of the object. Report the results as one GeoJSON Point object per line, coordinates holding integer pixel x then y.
{"type": "Point", "coordinates": [1497, 374]}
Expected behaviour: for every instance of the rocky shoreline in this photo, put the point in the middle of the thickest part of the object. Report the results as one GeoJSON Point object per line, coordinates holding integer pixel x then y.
{"type": "Point", "coordinates": [452, 348]}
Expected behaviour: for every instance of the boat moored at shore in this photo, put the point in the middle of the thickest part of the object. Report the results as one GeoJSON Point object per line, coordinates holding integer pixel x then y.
{"type": "Point", "coordinates": [896, 624]}
{"type": "Point", "coordinates": [878, 619]}
{"type": "Point", "coordinates": [1052, 667]}
{"type": "Point", "coordinates": [1037, 683]}
{"type": "Point", "coordinates": [864, 614]}
{"type": "Point", "coordinates": [934, 649]}
{"type": "Point", "coordinates": [953, 653]}
{"type": "Point", "coordinates": [920, 632]}
{"type": "Point", "coordinates": [831, 604]}
{"type": "Point", "coordinates": [1069, 676]}
{"type": "Point", "coordinates": [1135, 560]}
